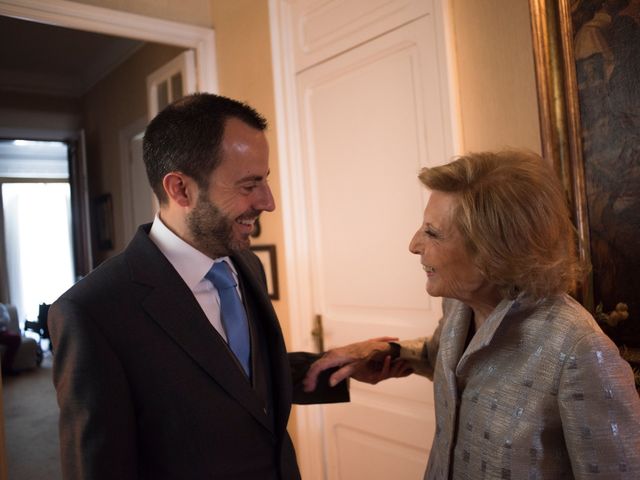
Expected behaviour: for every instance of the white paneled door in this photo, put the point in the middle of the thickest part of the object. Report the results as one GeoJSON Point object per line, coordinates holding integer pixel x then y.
{"type": "Point", "coordinates": [369, 119]}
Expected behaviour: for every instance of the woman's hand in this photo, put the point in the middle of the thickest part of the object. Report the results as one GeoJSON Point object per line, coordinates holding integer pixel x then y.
{"type": "Point", "coordinates": [369, 361]}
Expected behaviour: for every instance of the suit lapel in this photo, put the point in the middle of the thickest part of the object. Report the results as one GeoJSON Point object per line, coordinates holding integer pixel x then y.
{"type": "Point", "coordinates": [454, 335]}
{"type": "Point", "coordinates": [173, 307]}
{"type": "Point", "coordinates": [452, 340]}
{"type": "Point", "coordinates": [251, 274]}
{"type": "Point", "coordinates": [486, 332]}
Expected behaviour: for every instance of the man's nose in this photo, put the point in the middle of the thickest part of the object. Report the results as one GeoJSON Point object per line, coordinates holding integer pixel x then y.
{"type": "Point", "coordinates": [265, 201]}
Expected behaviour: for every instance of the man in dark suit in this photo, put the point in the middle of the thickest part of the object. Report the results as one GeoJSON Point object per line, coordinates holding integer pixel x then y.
{"type": "Point", "coordinates": [150, 381]}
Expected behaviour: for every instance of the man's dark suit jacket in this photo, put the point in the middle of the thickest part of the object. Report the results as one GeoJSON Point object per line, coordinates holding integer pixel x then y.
{"type": "Point", "coordinates": [148, 389]}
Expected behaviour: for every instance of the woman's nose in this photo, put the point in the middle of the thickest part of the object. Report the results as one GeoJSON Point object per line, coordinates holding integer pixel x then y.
{"type": "Point", "coordinates": [415, 246]}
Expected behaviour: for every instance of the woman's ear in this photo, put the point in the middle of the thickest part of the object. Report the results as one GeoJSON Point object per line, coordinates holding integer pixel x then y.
{"type": "Point", "coordinates": [181, 189]}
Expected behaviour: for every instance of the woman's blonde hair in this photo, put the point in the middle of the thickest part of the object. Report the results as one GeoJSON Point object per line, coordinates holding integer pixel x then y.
{"type": "Point", "coordinates": [513, 215]}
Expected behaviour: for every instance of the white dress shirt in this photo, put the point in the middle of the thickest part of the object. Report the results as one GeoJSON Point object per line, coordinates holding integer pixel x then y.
{"type": "Point", "coordinates": [192, 265]}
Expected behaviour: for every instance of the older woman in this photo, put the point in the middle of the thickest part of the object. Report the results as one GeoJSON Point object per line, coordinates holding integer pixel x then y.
{"type": "Point", "coordinates": [526, 384]}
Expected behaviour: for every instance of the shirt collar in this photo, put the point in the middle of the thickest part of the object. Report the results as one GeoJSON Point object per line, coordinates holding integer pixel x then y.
{"type": "Point", "coordinates": [190, 263]}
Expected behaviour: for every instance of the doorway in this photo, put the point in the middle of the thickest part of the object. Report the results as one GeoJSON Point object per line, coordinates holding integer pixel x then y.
{"type": "Point", "coordinates": [36, 212]}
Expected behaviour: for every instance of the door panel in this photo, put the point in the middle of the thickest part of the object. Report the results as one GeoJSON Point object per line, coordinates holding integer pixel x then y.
{"type": "Point", "coordinates": [172, 81]}
{"type": "Point", "coordinates": [324, 29]}
{"type": "Point", "coordinates": [370, 121]}
{"type": "Point", "coordinates": [139, 204]}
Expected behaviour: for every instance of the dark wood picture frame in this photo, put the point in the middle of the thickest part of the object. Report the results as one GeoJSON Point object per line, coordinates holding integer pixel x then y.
{"type": "Point", "coordinates": [103, 221]}
{"type": "Point", "coordinates": [267, 255]}
{"type": "Point", "coordinates": [585, 93]}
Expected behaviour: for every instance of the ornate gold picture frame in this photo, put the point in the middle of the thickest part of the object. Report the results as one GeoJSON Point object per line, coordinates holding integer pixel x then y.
{"type": "Point", "coordinates": [587, 59]}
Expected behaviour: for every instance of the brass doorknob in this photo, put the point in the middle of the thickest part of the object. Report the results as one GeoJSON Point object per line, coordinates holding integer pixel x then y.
{"type": "Point", "coordinates": [318, 333]}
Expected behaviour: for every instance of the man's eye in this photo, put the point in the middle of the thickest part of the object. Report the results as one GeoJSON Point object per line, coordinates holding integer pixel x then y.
{"type": "Point", "coordinates": [249, 187]}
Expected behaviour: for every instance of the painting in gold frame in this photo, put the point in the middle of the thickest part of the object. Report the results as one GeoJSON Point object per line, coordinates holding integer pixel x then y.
{"type": "Point", "coordinates": [587, 57]}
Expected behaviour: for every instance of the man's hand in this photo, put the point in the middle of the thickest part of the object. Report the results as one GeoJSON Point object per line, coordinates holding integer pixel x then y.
{"type": "Point", "coordinates": [369, 361]}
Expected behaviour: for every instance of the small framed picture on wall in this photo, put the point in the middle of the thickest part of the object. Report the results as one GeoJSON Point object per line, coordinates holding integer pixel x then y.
{"type": "Point", "coordinates": [267, 255]}
{"type": "Point", "coordinates": [103, 221]}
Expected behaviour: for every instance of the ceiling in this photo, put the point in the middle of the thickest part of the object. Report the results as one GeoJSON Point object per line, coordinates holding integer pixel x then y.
{"type": "Point", "coordinates": [45, 59]}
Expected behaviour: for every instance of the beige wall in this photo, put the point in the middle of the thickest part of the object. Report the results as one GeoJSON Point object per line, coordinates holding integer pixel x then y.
{"type": "Point", "coordinates": [38, 116]}
{"type": "Point", "coordinates": [193, 12]}
{"type": "Point", "coordinates": [496, 76]}
{"type": "Point", "coordinates": [114, 103]}
{"type": "Point", "coordinates": [39, 103]}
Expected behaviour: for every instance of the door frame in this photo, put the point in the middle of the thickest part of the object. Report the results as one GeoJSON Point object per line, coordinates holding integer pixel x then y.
{"type": "Point", "coordinates": [89, 18]}
{"type": "Point", "coordinates": [308, 420]}
{"type": "Point", "coordinates": [310, 446]}
{"type": "Point", "coordinates": [125, 136]}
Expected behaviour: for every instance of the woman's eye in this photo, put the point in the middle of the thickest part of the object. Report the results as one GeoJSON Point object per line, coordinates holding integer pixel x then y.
{"type": "Point", "coordinates": [431, 234]}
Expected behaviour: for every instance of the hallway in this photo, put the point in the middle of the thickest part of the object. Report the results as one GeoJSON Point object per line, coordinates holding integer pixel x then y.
{"type": "Point", "coordinates": [31, 424]}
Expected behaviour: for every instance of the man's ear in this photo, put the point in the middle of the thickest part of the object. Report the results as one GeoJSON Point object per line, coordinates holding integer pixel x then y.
{"type": "Point", "coordinates": [181, 189]}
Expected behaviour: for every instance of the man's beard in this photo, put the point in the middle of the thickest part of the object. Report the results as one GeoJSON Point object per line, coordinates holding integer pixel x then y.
{"type": "Point", "coordinates": [212, 231]}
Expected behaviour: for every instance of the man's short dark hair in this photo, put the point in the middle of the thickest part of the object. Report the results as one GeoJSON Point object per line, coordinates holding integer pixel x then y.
{"type": "Point", "coordinates": [186, 137]}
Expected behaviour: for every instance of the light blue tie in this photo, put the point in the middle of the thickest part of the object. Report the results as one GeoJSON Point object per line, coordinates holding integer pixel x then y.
{"type": "Point", "coordinates": [234, 318]}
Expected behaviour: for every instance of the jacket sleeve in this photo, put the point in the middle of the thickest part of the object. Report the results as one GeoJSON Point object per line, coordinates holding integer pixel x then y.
{"type": "Point", "coordinates": [97, 425]}
{"type": "Point", "coordinates": [416, 353]}
{"type": "Point", "coordinates": [300, 363]}
{"type": "Point", "coordinates": [421, 353]}
{"type": "Point", "coordinates": [600, 411]}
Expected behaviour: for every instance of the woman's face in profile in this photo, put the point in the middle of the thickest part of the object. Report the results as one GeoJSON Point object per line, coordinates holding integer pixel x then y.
{"type": "Point", "coordinates": [449, 267]}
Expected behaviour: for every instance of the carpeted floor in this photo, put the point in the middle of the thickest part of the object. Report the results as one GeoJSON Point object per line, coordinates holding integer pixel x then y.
{"type": "Point", "coordinates": [31, 425]}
